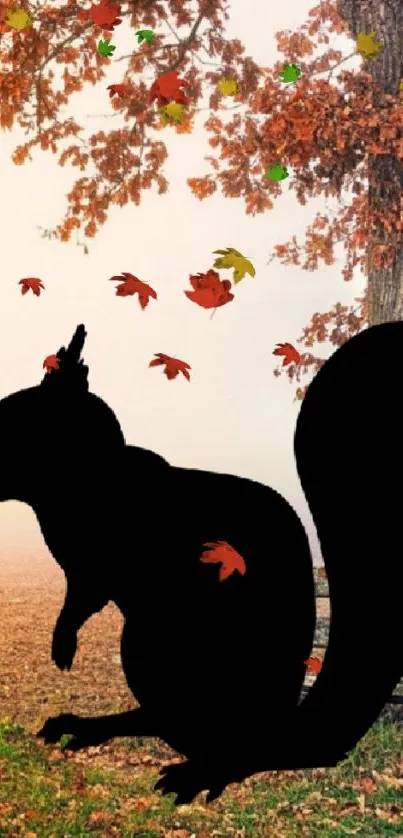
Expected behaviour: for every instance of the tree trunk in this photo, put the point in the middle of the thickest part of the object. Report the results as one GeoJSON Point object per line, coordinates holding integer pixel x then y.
{"type": "Point", "coordinates": [385, 172]}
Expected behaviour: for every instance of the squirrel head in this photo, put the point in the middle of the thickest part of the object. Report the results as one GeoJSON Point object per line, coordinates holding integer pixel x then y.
{"type": "Point", "coordinates": [57, 430]}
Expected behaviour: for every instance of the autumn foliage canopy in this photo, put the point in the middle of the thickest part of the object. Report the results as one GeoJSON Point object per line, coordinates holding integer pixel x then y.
{"type": "Point", "coordinates": [326, 132]}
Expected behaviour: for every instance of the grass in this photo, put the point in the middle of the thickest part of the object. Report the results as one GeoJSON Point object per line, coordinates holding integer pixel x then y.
{"type": "Point", "coordinates": [47, 793]}
{"type": "Point", "coordinates": [108, 791]}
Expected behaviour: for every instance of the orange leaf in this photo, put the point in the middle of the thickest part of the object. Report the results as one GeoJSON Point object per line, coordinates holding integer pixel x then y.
{"type": "Point", "coordinates": [221, 551]}
{"type": "Point", "coordinates": [118, 89]}
{"type": "Point", "coordinates": [167, 87]}
{"type": "Point", "coordinates": [367, 785]}
{"type": "Point", "coordinates": [313, 665]}
{"type": "Point", "coordinates": [51, 362]}
{"type": "Point", "coordinates": [172, 365]}
{"type": "Point", "coordinates": [106, 16]}
{"type": "Point", "coordinates": [291, 355]}
{"type": "Point", "coordinates": [33, 283]}
{"type": "Point", "coordinates": [209, 290]}
{"type": "Point", "coordinates": [132, 285]}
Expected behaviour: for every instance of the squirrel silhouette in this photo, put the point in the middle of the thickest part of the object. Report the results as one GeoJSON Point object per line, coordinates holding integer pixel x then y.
{"type": "Point", "coordinates": [217, 667]}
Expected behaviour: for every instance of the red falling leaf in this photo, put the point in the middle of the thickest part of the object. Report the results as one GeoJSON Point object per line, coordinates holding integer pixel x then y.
{"type": "Point", "coordinates": [291, 355]}
{"type": "Point", "coordinates": [51, 363]}
{"type": "Point", "coordinates": [132, 285]}
{"type": "Point", "coordinates": [118, 89]}
{"type": "Point", "coordinates": [106, 15]}
{"type": "Point", "coordinates": [209, 290]}
{"type": "Point", "coordinates": [227, 555]}
{"type": "Point", "coordinates": [172, 365]}
{"type": "Point", "coordinates": [313, 665]}
{"type": "Point", "coordinates": [168, 87]}
{"type": "Point", "coordinates": [33, 283]}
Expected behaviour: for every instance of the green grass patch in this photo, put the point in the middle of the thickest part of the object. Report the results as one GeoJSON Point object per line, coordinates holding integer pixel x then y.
{"type": "Point", "coordinates": [51, 796]}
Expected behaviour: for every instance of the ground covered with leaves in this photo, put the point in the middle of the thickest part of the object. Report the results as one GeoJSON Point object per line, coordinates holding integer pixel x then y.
{"type": "Point", "coordinates": [108, 790]}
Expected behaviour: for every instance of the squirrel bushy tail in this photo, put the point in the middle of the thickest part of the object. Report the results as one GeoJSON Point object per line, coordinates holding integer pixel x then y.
{"type": "Point", "coordinates": [349, 452]}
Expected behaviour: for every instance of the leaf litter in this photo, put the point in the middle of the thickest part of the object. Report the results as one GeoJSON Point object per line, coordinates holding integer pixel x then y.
{"type": "Point", "coordinates": [108, 789]}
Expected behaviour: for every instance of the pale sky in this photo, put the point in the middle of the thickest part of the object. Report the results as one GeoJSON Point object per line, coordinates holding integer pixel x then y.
{"type": "Point", "coordinates": [234, 416]}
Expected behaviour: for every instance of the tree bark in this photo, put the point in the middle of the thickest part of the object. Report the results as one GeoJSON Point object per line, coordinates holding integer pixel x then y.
{"type": "Point", "coordinates": [385, 171]}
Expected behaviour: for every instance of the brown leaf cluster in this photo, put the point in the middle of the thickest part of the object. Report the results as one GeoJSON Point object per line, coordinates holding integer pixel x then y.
{"type": "Point", "coordinates": [126, 160]}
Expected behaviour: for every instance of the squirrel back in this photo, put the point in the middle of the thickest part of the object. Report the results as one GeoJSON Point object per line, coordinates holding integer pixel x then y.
{"type": "Point", "coordinates": [349, 454]}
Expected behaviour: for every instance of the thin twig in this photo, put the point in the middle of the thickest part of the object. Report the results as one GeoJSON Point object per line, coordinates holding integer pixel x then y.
{"type": "Point", "coordinates": [341, 62]}
{"type": "Point", "coordinates": [103, 115]}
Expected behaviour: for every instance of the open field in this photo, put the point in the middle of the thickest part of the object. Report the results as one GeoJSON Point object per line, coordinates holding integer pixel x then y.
{"type": "Point", "coordinates": [108, 790]}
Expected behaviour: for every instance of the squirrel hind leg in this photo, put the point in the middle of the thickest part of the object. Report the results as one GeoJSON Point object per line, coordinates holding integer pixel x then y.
{"type": "Point", "coordinates": [203, 773]}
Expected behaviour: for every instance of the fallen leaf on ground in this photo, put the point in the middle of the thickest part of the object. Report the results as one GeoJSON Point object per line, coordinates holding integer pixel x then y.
{"type": "Point", "coordinates": [365, 784]}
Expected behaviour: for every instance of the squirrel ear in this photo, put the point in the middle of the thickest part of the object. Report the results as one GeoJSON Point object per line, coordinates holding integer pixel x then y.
{"type": "Point", "coordinates": [72, 374]}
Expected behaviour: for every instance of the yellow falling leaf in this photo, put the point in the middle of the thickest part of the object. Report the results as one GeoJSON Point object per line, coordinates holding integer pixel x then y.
{"type": "Point", "coordinates": [368, 47]}
{"type": "Point", "coordinates": [232, 258]}
{"type": "Point", "coordinates": [19, 19]}
{"type": "Point", "coordinates": [173, 112]}
{"type": "Point", "coordinates": [228, 87]}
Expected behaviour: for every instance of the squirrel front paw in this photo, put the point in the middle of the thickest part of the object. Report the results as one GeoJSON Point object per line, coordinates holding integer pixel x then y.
{"type": "Point", "coordinates": [84, 731]}
{"type": "Point", "coordinates": [64, 646]}
{"type": "Point", "coordinates": [57, 726]}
